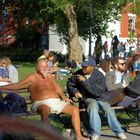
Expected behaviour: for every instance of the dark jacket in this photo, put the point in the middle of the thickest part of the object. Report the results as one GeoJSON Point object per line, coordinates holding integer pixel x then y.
{"type": "Point", "coordinates": [94, 87]}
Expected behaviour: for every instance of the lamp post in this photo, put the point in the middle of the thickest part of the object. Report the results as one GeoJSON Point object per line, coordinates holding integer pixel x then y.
{"type": "Point", "coordinates": [90, 27]}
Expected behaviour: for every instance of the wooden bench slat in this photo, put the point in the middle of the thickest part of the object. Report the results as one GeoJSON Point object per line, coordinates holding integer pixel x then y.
{"type": "Point", "coordinates": [13, 91]}
{"type": "Point", "coordinates": [25, 114]}
{"type": "Point", "coordinates": [117, 107]}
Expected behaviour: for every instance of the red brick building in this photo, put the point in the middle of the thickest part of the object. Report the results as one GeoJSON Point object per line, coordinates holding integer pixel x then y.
{"type": "Point", "coordinates": [129, 23]}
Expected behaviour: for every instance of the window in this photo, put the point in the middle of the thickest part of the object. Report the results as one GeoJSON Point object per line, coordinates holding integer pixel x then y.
{"type": "Point", "coordinates": [131, 22]}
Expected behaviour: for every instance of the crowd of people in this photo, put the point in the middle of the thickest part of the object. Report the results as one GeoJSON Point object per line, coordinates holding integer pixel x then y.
{"type": "Point", "coordinates": [119, 48]}
{"type": "Point", "coordinates": [91, 85]}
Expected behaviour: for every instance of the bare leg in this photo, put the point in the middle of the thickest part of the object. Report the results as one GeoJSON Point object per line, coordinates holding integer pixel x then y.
{"type": "Point", "coordinates": [74, 113]}
{"type": "Point", "coordinates": [44, 111]}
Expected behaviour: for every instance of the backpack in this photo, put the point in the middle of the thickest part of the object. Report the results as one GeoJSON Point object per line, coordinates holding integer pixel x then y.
{"type": "Point", "coordinates": [14, 103]}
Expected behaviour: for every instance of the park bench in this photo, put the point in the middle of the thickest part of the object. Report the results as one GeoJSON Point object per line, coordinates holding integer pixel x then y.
{"type": "Point", "coordinates": [26, 94]}
{"type": "Point", "coordinates": [29, 113]}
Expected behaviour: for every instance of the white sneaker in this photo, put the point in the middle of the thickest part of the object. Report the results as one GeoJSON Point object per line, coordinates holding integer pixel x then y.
{"type": "Point", "coordinates": [94, 137]}
{"type": "Point", "coordinates": [121, 136]}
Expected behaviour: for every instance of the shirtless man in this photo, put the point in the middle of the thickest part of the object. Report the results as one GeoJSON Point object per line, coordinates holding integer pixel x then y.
{"type": "Point", "coordinates": [47, 96]}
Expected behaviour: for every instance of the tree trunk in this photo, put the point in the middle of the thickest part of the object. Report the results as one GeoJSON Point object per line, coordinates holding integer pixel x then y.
{"type": "Point", "coordinates": [75, 50]}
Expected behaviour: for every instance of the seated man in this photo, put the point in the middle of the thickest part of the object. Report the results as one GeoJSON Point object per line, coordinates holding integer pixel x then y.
{"type": "Point", "coordinates": [47, 96]}
{"type": "Point", "coordinates": [119, 79]}
{"type": "Point", "coordinates": [89, 83]}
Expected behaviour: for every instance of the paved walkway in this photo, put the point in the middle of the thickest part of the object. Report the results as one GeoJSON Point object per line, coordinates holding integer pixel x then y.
{"type": "Point", "coordinates": [132, 134]}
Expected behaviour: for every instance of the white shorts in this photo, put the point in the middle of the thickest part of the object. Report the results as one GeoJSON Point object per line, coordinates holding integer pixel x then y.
{"type": "Point", "coordinates": [56, 105]}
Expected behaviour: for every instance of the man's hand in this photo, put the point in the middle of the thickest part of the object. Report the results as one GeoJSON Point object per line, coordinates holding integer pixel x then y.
{"type": "Point", "coordinates": [78, 95]}
{"type": "Point", "coordinates": [65, 99]}
{"type": "Point", "coordinates": [124, 85]}
{"type": "Point", "coordinates": [81, 78]}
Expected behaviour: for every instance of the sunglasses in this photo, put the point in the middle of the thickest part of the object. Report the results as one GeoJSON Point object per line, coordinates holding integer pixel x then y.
{"type": "Point", "coordinates": [122, 64]}
{"type": "Point", "coordinates": [84, 67]}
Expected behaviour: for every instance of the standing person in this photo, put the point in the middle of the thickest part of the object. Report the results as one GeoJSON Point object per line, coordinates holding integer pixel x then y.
{"type": "Point", "coordinates": [89, 84]}
{"type": "Point", "coordinates": [98, 49]}
{"type": "Point", "coordinates": [13, 73]}
{"type": "Point", "coordinates": [114, 43]}
{"type": "Point", "coordinates": [47, 96]}
{"type": "Point", "coordinates": [127, 48]}
{"type": "Point", "coordinates": [121, 49]}
{"type": "Point", "coordinates": [105, 48]}
{"type": "Point", "coordinates": [133, 47]}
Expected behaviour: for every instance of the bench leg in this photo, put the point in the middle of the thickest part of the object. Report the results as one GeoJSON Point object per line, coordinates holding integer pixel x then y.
{"type": "Point", "coordinates": [125, 128]}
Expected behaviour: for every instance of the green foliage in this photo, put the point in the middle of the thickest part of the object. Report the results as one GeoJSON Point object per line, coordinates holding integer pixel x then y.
{"type": "Point", "coordinates": [53, 13]}
{"type": "Point", "coordinates": [135, 6]}
{"type": "Point", "coordinates": [131, 35]}
{"type": "Point", "coordinates": [103, 12]}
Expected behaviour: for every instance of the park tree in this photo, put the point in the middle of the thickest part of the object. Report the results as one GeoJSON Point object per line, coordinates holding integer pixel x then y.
{"type": "Point", "coordinates": [25, 12]}
{"type": "Point", "coordinates": [71, 18]}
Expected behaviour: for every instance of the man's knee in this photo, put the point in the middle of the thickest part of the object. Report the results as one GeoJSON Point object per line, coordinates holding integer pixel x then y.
{"type": "Point", "coordinates": [43, 109]}
{"type": "Point", "coordinates": [75, 110]}
{"type": "Point", "coordinates": [107, 108]}
{"type": "Point", "coordinates": [70, 110]}
{"type": "Point", "coordinates": [92, 105]}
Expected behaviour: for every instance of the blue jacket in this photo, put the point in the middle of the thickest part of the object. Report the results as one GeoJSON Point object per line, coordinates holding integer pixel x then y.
{"type": "Point", "coordinates": [94, 87]}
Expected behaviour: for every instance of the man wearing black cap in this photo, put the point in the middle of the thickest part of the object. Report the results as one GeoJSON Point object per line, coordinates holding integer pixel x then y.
{"type": "Point", "coordinates": [89, 84]}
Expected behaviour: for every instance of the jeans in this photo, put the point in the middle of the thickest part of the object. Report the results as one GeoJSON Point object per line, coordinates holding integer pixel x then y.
{"type": "Point", "coordinates": [94, 118]}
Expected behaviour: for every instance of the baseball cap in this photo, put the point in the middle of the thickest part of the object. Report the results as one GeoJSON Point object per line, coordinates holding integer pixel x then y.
{"type": "Point", "coordinates": [89, 62]}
